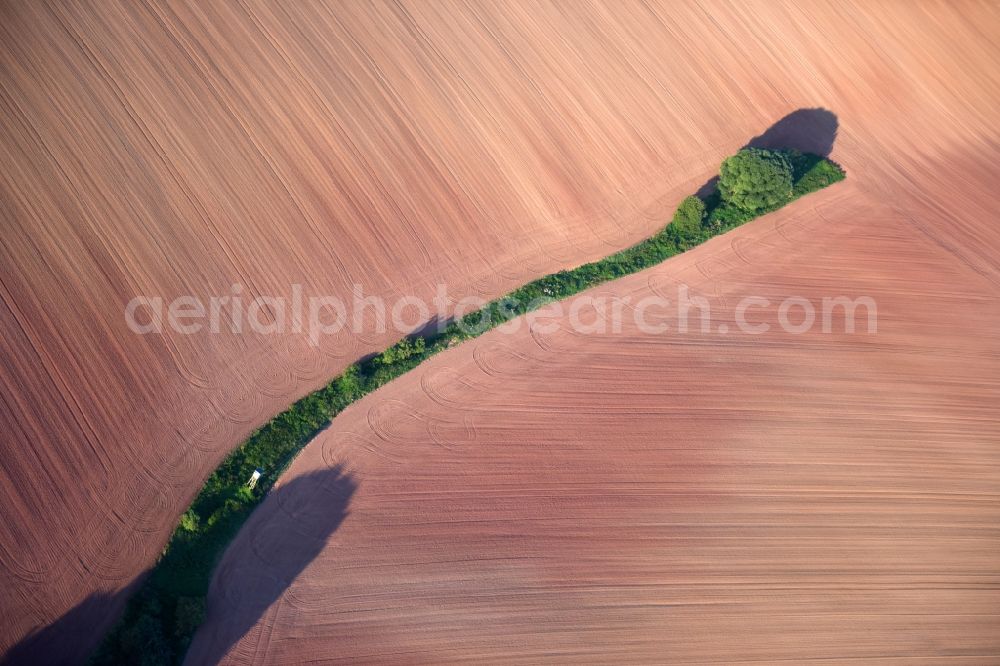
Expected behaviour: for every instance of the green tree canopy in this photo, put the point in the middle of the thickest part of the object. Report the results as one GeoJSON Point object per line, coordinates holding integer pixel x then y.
{"type": "Point", "coordinates": [689, 216]}
{"type": "Point", "coordinates": [755, 179]}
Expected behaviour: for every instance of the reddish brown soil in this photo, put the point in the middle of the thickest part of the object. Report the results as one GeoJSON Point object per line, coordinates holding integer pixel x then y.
{"type": "Point", "coordinates": [594, 497]}
{"type": "Point", "coordinates": [693, 498]}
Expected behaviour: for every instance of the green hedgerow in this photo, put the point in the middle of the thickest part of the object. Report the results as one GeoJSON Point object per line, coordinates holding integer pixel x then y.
{"type": "Point", "coordinates": [162, 617]}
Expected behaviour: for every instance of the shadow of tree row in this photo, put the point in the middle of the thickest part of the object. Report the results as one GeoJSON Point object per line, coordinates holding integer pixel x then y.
{"type": "Point", "coordinates": [312, 507]}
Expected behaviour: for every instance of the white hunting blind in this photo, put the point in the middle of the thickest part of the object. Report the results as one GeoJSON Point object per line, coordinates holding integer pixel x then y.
{"type": "Point", "coordinates": [253, 478]}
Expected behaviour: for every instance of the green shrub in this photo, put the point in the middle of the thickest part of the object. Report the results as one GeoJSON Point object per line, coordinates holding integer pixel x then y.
{"type": "Point", "coordinates": [139, 638]}
{"type": "Point", "coordinates": [143, 643]}
{"type": "Point", "coordinates": [755, 180]}
{"type": "Point", "coordinates": [189, 521]}
{"type": "Point", "coordinates": [816, 176]}
{"type": "Point", "coordinates": [348, 385]}
{"type": "Point", "coordinates": [401, 351]}
{"type": "Point", "coordinates": [727, 216]}
{"type": "Point", "coordinates": [689, 216]}
{"type": "Point", "coordinates": [188, 616]}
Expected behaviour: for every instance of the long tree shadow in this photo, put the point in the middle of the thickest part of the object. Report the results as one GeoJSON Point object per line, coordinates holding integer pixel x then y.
{"type": "Point", "coordinates": [68, 639]}
{"type": "Point", "coordinates": [286, 532]}
{"type": "Point", "coordinates": [283, 535]}
{"type": "Point", "coordinates": [805, 130]}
